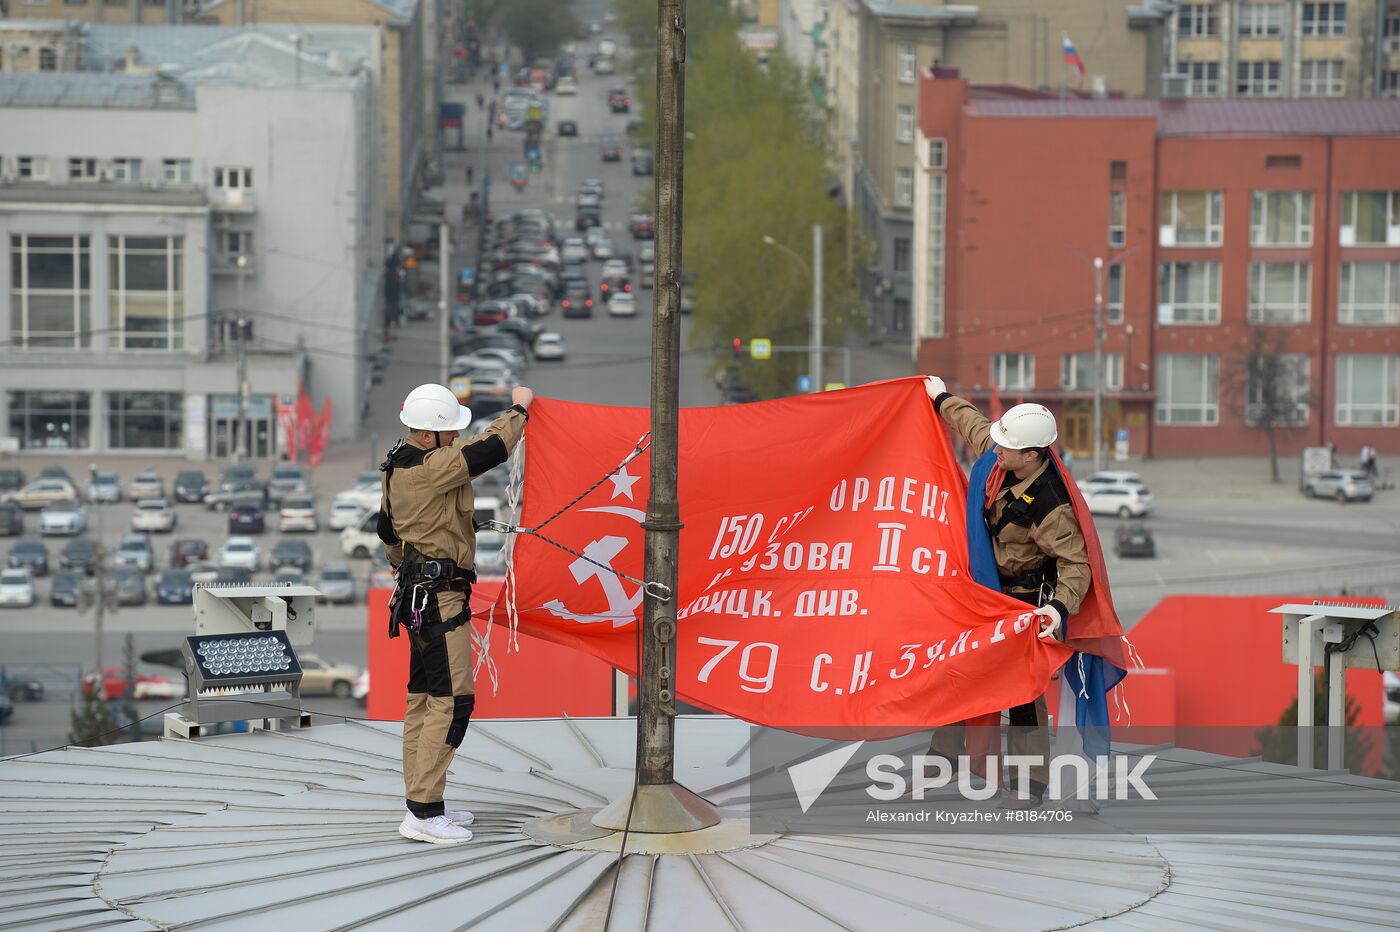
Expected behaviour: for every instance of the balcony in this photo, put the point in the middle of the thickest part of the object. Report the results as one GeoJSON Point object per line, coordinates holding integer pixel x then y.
{"type": "Point", "coordinates": [233, 200]}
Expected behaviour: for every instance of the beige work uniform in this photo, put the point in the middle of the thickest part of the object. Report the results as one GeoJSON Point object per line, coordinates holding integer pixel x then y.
{"type": "Point", "coordinates": [431, 506]}
{"type": "Point", "coordinates": [1048, 534]}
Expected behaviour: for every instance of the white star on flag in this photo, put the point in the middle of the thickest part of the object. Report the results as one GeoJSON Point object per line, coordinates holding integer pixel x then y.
{"type": "Point", "coordinates": [622, 483]}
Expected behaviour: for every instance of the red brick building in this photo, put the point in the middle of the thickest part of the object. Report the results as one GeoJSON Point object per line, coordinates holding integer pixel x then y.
{"type": "Point", "coordinates": [1250, 265]}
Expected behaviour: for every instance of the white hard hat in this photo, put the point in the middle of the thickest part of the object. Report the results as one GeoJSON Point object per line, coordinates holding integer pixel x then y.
{"type": "Point", "coordinates": [434, 407]}
{"type": "Point", "coordinates": [1025, 427]}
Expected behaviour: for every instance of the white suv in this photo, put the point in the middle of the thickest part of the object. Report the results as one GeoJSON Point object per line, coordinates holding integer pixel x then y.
{"type": "Point", "coordinates": [1125, 501]}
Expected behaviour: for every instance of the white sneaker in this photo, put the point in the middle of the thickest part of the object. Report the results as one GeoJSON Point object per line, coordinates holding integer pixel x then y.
{"type": "Point", "coordinates": [459, 816]}
{"type": "Point", "coordinates": [438, 830]}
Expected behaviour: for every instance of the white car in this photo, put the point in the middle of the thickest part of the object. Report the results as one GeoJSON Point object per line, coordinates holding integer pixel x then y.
{"type": "Point", "coordinates": [1109, 477]}
{"type": "Point", "coordinates": [565, 86]}
{"type": "Point", "coordinates": [104, 487]}
{"type": "Point", "coordinates": [362, 495]}
{"type": "Point", "coordinates": [135, 551]}
{"type": "Point", "coordinates": [603, 248]}
{"type": "Point", "coordinates": [592, 235]}
{"type": "Point", "coordinates": [63, 517]}
{"type": "Point", "coordinates": [17, 587]}
{"type": "Point", "coordinates": [153, 514]}
{"type": "Point", "coordinates": [345, 512]}
{"type": "Point", "coordinates": [549, 345]}
{"type": "Point", "coordinates": [298, 514]}
{"type": "Point", "coordinates": [145, 485]}
{"type": "Point", "coordinates": [574, 249]}
{"type": "Point", "coordinates": [622, 304]}
{"type": "Point", "coordinates": [1125, 501]}
{"type": "Point", "coordinates": [614, 267]}
{"type": "Point", "coordinates": [242, 553]}
{"type": "Point", "coordinates": [362, 540]}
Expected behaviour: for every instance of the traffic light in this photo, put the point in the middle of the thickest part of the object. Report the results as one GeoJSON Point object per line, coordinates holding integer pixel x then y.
{"type": "Point", "coordinates": [738, 348]}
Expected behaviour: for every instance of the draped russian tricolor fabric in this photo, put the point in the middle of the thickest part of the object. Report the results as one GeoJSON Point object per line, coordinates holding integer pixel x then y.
{"type": "Point", "coordinates": [823, 575]}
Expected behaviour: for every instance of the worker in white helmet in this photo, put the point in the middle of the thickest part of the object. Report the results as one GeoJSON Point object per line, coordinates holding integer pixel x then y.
{"type": "Point", "coordinates": [425, 521]}
{"type": "Point", "coordinates": [1039, 548]}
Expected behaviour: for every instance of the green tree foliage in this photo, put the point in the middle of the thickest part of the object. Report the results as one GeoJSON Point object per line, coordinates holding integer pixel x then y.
{"type": "Point", "coordinates": [91, 723]}
{"type": "Point", "coordinates": [536, 27]}
{"type": "Point", "coordinates": [756, 163]}
{"type": "Point", "coordinates": [1280, 745]}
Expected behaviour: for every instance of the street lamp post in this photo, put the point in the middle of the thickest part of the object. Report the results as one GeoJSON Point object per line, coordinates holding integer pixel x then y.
{"type": "Point", "coordinates": [817, 351]}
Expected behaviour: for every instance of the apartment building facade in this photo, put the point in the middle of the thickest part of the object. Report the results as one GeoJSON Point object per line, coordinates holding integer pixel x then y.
{"type": "Point", "coordinates": [1250, 251]}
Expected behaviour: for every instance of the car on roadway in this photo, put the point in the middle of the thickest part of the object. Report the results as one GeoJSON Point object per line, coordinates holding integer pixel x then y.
{"type": "Point", "coordinates": [42, 492]}
{"type": "Point", "coordinates": [568, 128]}
{"type": "Point", "coordinates": [16, 588]}
{"type": "Point", "coordinates": [337, 584]}
{"type": "Point", "coordinates": [288, 552]}
{"type": "Point", "coordinates": [612, 153]}
{"type": "Point", "coordinates": [566, 86]}
{"type": "Point", "coordinates": [66, 587]}
{"type": "Point", "coordinates": [577, 302]}
{"type": "Point", "coordinates": [642, 226]}
{"type": "Point", "coordinates": [1134, 540]}
{"type": "Point", "coordinates": [1125, 501]}
{"type": "Point", "coordinates": [344, 513]}
{"type": "Point", "coordinates": [592, 236]}
{"type": "Point", "coordinates": [175, 587]}
{"type": "Point", "coordinates": [643, 163]}
{"type": "Point", "coordinates": [11, 520]}
{"type": "Point", "coordinates": [144, 686]}
{"type": "Point", "coordinates": [31, 554]}
{"type": "Point", "coordinates": [63, 517]}
{"type": "Point", "coordinates": [573, 249]}
{"type": "Point", "coordinates": [549, 346]}
{"type": "Point", "coordinates": [246, 519]}
{"type": "Point", "coordinates": [104, 487]}
{"type": "Point", "coordinates": [618, 99]}
{"type": "Point", "coordinates": [1109, 477]}
{"type": "Point", "coordinates": [1343, 485]}
{"type": "Point", "coordinates": [129, 585]}
{"type": "Point", "coordinates": [241, 553]}
{"type": "Point", "coordinates": [188, 552]}
{"type": "Point", "coordinates": [602, 248]}
{"type": "Point", "coordinates": [324, 678]}
{"type": "Point", "coordinates": [154, 514]}
{"type": "Point", "coordinates": [593, 186]}
{"type": "Point", "coordinates": [135, 551]}
{"type": "Point", "coordinates": [622, 304]}
{"type": "Point", "coordinates": [191, 485]}
{"type": "Point", "coordinates": [604, 65]}
{"type": "Point", "coordinates": [81, 554]}
{"type": "Point", "coordinates": [146, 484]}
{"type": "Point", "coordinates": [613, 285]}
{"type": "Point", "coordinates": [298, 514]}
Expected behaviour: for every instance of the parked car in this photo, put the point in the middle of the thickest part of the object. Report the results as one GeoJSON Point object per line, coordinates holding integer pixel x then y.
{"type": "Point", "coordinates": [1125, 501]}
{"type": "Point", "coordinates": [1135, 540]}
{"type": "Point", "coordinates": [246, 519]}
{"type": "Point", "coordinates": [154, 514]}
{"type": "Point", "coordinates": [65, 588]}
{"type": "Point", "coordinates": [288, 480]}
{"type": "Point", "coordinates": [337, 584]}
{"type": "Point", "coordinates": [549, 345]}
{"type": "Point", "coordinates": [321, 678]}
{"type": "Point", "coordinates": [241, 553]}
{"type": "Point", "coordinates": [490, 554]}
{"type": "Point", "coordinates": [187, 552]}
{"type": "Point", "coordinates": [135, 551]}
{"type": "Point", "coordinates": [11, 520]}
{"type": "Point", "coordinates": [80, 553]}
{"type": "Point", "coordinates": [298, 514]}
{"type": "Point", "coordinates": [289, 576]}
{"type": "Point", "coordinates": [31, 554]}
{"type": "Point", "coordinates": [104, 487]}
{"type": "Point", "coordinates": [146, 484]}
{"type": "Point", "coordinates": [344, 513]}
{"type": "Point", "coordinates": [175, 587]}
{"type": "Point", "coordinates": [16, 588]}
{"type": "Point", "coordinates": [381, 574]}
{"type": "Point", "coordinates": [65, 517]}
{"type": "Point", "coordinates": [128, 584]}
{"type": "Point", "coordinates": [231, 476]}
{"type": "Point", "coordinates": [191, 486]}
{"type": "Point", "coordinates": [232, 576]}
{"type": "Point", "coordinates": [242, 492]}
{"type": "Point", "coordinates": [1343, 485]}
{"type": "Point", "coordinates": [362, 540]}
{"type": "Point", "coordinates": [11, 479]}
{"type": "Point", "coordinates": [289, 552]}
{"type": "Point", "coordinates": [42, 492]}
{"type": "Point", "coordinates": [57, 471]}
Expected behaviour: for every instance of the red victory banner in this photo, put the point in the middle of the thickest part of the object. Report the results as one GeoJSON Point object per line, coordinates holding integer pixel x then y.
{"type": "Point", "coordinates": [823, 576]}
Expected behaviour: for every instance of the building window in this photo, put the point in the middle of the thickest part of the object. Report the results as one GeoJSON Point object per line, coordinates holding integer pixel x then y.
{"type": "Point", "coordinates": [145, 281]}
{"type": "Point", "coordinates": [1117, 171]}
{"type": "Point", "coordinates": [938, 153]}
{"type": "Point", "coordinates": [1369, 293]}
{"type": "Point", "coordinates": [1390, 84]}
{"type": "Point", "coordinates": [50, 297]}
{"type": "Point", "coordinates": [1203, 78]}
{"type": "Point", "coordinates": [51, 420]}
{"type": "Point", "coordinates": [901, 254]}
{"type": "Point", "coordinates": [1197, 20]}
{"type": "Point", "coordinates": [1117, 218]}
{"type": "Point", "coordinates": [235, 243]}
{"type": "Point", "coordinates": [32, 168]}
{"type": "Point", "coordinates": [145, 420]}
{"type": "Point", "coordinates": [1114, 296]}
{"type": "Point", "coordinates": [83, 170]}
{"type": "Point", "coordinates": [177, 171]}
{"type": "Point", "coordinates": [1261, 20]}
{"type": "Point", "coordinates": [1188, 389]}
{"type": "Point", "coordinates": [1390, 33]}
{"type": "Point", "coordinates": [1279, 292]}
{"type": "Point", "coordinates": [1257, 79]}
{"type": "Point", "coordinates": [1366, 391]}
{"type": "Point", "coordinates": [1324, 19]}
{"type": "Point", "coordinates": [1192, 218]}
{"type": "Point", "coordinates": [899, 319]}
{"type": "Point", "coordinates": [1370, 218]}
{"type": "Point", "coordinates": [904, 123]}
{"type": "Point", "coordinates": [1281, 218]}
{"type": "Point", "coordinates": [906, 64]}
{"type": "Point", "coordinates": [904, 187]}
{"type": "Point", "coordinates": [126, 170]}
{"type": "Point", "coordinates": [48, 59]}
{"type": "Point", "coordinates": [1276, 389]}
{"type": "Point", "coordinates": [1077, 372]}
{"type": "Point", "coordinates": [1190, 293]}
{"type": "Point", "coordinates": [233, 179]}
{"type": "Point", "coordinates": [1013, 370]}
{"type": "Point", "coordinates": [1323, 79]}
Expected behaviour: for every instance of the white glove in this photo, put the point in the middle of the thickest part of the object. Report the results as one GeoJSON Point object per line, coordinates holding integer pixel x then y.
{"type": "Point", "coordinates": [934, 386]}
{"type": "Point", "coordinates": [1050, 625]}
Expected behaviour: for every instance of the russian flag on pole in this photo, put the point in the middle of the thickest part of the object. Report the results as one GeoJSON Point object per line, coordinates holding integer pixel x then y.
{"type": "Point", "coordinates": [1072, 57]}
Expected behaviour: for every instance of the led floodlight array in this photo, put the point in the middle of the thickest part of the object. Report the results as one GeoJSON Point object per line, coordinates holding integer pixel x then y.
{"type": "Point", "coordinates": [254, 675]}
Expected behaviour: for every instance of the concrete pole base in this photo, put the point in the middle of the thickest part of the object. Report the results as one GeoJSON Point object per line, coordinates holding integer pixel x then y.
{"type": "Point", "coordinates": [666, 807]}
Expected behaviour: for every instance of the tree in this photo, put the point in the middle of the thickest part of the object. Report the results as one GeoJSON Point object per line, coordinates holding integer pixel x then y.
{"type": "Point", "coordinates": [1279, 745]}
{"type": "Point", "coordinates": [537, 27]}
{"type": "Point", "coordinates": [1273, 384]}
{"type": "Point", "coordinates": [92, 724]}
